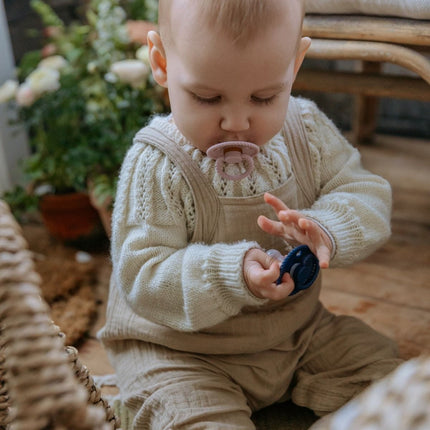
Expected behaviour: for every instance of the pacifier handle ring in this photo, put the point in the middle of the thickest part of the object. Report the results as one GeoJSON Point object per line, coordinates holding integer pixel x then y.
{"type": "Point", "coordinates": [300, 258]}
{"type": "Point", "coordinates": [249, 166]}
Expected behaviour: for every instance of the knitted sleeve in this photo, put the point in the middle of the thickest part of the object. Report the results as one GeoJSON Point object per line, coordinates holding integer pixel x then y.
{"type": "Point", "coordinates": [163, 277]}
{"type": "Point", "coordinates": [354, 205]}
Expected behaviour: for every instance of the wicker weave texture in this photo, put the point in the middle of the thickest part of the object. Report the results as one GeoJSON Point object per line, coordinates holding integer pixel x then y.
{"type": "Point", "coordinates": [42, 384]}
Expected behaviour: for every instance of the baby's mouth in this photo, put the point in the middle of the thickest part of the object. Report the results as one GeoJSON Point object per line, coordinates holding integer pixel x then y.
{"type": "Point", "coordinates": [233, 152]}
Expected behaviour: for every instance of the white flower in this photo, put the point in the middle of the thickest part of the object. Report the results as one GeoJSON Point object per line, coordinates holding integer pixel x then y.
{"type": "Point", "coordinates": [119, 14]}
{"type": "Point", "coordinates": [93, 106]}
{"type": "Point", "coordinates": [55, 62]}
{"type": "Point", "coordinates": [104, 8]}
{"type": "Point", "coordinates": [25, 96]}
{"type": "Point", "coordinates": [43, 80]}
{"type": "Point", "coordinates": [8, 90]}
{"type": "Point", "coordinates": [92, 67]}
{"type": "Point", "coordinates": [142, 54]}
{"type": "Point", "coordinates": [132, 72]}
{"type": "Point", "coordinates": [111, 77]}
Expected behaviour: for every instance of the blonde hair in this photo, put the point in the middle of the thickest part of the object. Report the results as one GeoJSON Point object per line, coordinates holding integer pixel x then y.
{"type": "Point", "coordinates": [241, 20]}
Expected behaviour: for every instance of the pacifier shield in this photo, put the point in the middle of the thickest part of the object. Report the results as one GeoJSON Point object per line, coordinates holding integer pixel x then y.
{"type": "Point", "coordinates": [234, 152]}
{"type": "Point", "coordinates": [303, 267]}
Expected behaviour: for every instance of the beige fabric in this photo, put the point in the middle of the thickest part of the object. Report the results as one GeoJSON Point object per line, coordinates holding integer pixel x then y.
{"type": "Point", "coordinates": [168, 389]}
{"type": "Point", "coordinates": [418, 9]}
{"type": "Point", "coordinates": [257, 327]}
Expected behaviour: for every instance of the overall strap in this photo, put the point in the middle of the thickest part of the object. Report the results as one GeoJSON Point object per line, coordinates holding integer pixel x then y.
{"type": "Point", "coordinates": [298, 148]}
{"type": "Point", "coordinates": [206, 201]}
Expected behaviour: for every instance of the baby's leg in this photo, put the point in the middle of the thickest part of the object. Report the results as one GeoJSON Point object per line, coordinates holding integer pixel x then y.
{"type": "Point", "coordinates": [343, 358]}
{"type": "Point", "coordinates": [167, 389]}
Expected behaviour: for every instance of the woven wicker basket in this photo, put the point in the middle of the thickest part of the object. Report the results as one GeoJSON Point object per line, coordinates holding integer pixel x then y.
{"type": "Point", "coordinates": [43, 385]}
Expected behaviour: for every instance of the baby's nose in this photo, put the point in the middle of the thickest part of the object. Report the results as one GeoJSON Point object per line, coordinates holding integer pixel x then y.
{"type": "Point", "coordinates": [235, 121]}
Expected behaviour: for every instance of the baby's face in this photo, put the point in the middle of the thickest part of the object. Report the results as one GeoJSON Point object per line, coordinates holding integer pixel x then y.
{"type": "Point", "coordinates": [220, 91]}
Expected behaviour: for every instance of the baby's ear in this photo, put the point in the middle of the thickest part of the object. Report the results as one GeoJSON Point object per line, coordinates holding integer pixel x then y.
{"type": "Point", "coordinates": [157, 58]}
{"type": "Point", "coordinates": [304, 45]}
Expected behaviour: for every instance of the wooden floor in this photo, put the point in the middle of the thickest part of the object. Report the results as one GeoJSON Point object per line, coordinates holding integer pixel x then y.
{"type": "Point", "coordinates": [389, 290]}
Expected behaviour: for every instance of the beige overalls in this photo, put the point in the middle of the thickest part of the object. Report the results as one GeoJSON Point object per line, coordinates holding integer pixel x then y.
{"type": "Point", "coordinates": [215, 378]}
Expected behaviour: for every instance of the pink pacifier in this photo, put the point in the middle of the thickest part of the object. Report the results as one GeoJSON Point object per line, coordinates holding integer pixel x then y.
{"type": "Point", "coordinates": [233, 152]}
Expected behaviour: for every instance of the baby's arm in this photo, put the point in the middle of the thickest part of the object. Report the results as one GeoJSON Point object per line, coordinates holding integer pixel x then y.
{"type": "Point", "coordinates": [163, 276]}
{"type": "Point", "coordinates": [352, 205]}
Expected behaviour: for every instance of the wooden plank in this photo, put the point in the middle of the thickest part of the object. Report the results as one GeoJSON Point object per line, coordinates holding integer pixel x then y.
{"type": "Point", "coordinates": [365, 84]}
{"type": "Point", "coordinates": [409, 327]}
{"type": "Point", "coordinates": [403, 284]}
{"type": "Point", "coordinates": [383, 29]}
{"type": "Point", "coordinates": [403, 161]}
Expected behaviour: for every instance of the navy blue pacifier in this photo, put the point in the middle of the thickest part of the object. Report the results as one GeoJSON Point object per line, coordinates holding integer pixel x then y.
{"type": "Point", "coordinates": [303, 267]}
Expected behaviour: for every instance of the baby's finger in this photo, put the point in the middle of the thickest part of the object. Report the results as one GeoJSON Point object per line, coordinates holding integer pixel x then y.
{"type": "Point", "coordinates": [290, 216]}
{"type": "Point", "coordinates": [277, 204]}
{"type": "Point", "coordinates": [280, 291]}
{"type": "Point", "coordinates": [269, 226]}
{"type": "Point", "coordinates": [316, 242]}
{"type": "Point", "coordinates": [323, 255]}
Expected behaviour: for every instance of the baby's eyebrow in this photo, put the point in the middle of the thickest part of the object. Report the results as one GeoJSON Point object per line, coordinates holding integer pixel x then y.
{"type": "Point", "coordinates": [195, 86]}
{"type": "Point", "coordinates": [277, 87]}
{"type": "Point", "coordinates": [198, 86]}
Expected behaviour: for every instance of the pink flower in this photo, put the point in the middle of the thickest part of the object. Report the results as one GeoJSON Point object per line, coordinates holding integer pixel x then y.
{"type": "Point", "coordinates": [52, 31]}
{"type": "Point", "coordinates": [48, 50]}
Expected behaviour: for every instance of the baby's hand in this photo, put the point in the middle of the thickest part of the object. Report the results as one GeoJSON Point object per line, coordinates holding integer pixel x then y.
{"type": "Point", "coordinates": [261, 272]}
{"type": "Point", "coordinates": [294, 227]}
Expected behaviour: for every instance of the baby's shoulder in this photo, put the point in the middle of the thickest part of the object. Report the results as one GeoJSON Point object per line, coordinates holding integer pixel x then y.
{"type": "Point", "coordinates": [143, 150]}
{"type": "Point", "coordinates": [307, 108]}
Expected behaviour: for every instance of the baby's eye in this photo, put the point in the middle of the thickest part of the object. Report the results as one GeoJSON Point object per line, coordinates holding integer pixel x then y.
{"type": "Point", "coordinates": [263, 100]}
{"type": "Point", "coordinates": [206, 100]}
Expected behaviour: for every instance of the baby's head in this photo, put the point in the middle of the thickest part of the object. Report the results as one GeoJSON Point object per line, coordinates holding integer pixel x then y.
{"type": "Point", "coordinates": [229, 66]}
{"type": "Point", "coordinates": [240, 20]}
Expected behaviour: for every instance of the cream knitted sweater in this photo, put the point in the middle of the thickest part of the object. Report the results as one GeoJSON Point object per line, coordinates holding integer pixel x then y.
{"type": "Point", "coordinates": [164, 278]}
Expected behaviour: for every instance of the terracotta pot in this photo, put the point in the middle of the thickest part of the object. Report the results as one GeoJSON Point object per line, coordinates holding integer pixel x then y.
{"type": "Point", "coordinates": [69, 216]}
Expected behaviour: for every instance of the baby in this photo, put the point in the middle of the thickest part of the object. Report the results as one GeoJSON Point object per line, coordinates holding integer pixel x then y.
{"type": "Point", "coordinates": [200, 332]}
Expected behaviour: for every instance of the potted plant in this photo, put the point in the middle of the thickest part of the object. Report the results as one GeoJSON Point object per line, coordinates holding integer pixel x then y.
{"type": "Point", "coordinates": [82, 97]}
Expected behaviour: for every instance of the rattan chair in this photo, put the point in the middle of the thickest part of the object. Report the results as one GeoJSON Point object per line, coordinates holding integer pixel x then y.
{"type": "Point", "coordinates": [43, 385]}
{"type": "Point", "coordinates": [392, 31]}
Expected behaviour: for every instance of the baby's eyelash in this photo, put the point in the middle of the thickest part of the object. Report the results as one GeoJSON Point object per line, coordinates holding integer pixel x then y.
{"type": "Point", "coordinates": [217, 99]}
{"type": "Point", "coordinates": [263, 101]}
{"type": "Point", "coordinates": [204, 100]}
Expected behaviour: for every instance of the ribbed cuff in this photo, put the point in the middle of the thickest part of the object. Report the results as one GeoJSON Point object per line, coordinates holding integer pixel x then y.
{"type": "Point", "coordinates": [343, 229]}
{"type": "Point", "coordinates": [224, 273]}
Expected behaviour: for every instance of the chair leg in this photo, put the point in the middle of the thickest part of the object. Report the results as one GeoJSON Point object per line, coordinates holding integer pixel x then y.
{"type": "Point", "coordinates": [366, 110]}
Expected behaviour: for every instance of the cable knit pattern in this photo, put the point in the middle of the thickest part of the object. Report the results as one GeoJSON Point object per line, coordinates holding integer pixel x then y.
{"type": "Point", "coordinates": [354, 205]}
{"type": "Point", "coordinates": [190, 286]}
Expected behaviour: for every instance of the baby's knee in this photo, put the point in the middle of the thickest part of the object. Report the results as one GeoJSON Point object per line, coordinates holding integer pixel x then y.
{"type": "Point", "coordinates": [182, 404]}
